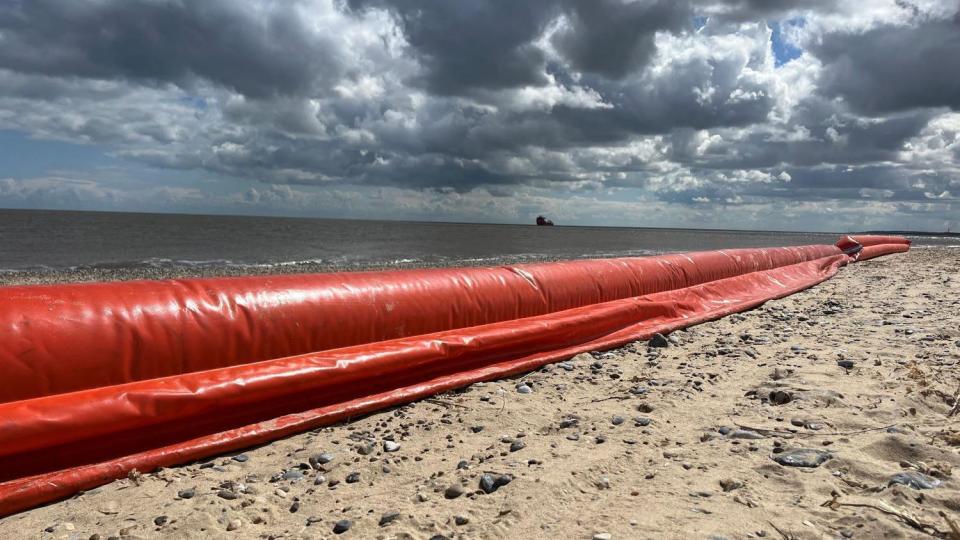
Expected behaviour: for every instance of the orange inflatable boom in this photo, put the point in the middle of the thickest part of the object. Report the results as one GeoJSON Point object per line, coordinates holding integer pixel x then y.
{"type": "Point", "coordinates": [101, 379]}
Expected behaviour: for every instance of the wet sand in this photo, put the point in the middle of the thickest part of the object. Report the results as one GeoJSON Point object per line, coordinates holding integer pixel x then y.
{"type": "Point", "coordinates": [639, 442]}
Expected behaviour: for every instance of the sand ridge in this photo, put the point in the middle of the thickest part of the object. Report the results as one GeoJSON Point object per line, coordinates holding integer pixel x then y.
{"type": "Point", "coordinates": [638, 442]}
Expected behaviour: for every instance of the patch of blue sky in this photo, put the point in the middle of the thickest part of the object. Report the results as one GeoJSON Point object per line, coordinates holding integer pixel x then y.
{"type": "Point", "coordinates": [23, 156]}
{"type": "Point", "coordinates": [783, 49]}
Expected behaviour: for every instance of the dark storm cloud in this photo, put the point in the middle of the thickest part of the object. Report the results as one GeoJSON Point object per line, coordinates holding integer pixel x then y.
{"type": "Point", "coordinates": [255, 52]}
{"type": "Point", "coordinates": [893, 68]}
{"type": "Point", "coordinates": [469, 45]}
{"type": "Point", "coordinates": [754, 9]}
{"type": "Point", "coordinates": [492, 44]}
{"type": "Point", "coordinates": [613, 38]}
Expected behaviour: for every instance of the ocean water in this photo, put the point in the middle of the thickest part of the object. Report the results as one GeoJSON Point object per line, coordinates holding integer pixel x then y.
{"type": "Point", "coordinates": [35, 240]}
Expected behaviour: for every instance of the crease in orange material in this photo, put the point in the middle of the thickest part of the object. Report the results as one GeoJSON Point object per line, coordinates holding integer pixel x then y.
{"type": "Point", "coordinates": [96, 414]}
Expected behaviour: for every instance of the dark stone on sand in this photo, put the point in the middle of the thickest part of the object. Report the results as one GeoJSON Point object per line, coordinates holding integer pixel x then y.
{"type": "Point", "coordinates": [240, 458]}
{"type": "Point", "coordinates": [492, 482]}
{"type": "Point", "coordinates": [454, 491]}
{"type": "Point", "coordinates": [488, 483]}
{"type": "Point", "coordinates": [658, 341]}
{"type": "Point", "coordinates": [517, 445]}
{"type": "Point", "coordinates": [642, 421]}
{"type": "Point", "coordinates": [160, 521]}
{"type": "Point", "coordinates": [317, 460]}
{"type": "Point", "coordinates": [389, 518]}
{"type": "Point", "coordinates": [353, 478]}
{"type": "Point", "coordinates": [342, 526]}
{"type": "Point", "coordinates": [802, 457]}
{"type": "Point", "coordinates": [476, 429]}
{"type": "Point", "coordinates": [730, 484]}
{"type": "Point", "coordinates": [846, 364]}
{"type": "Point", "coordinates": [187, 493]}
{"type": "Point", "coordinates": [227, 494]}
{"type": "Point", "coordinates": [461, 520]}
{"type": "Point", "coordinates": [914, 480]}
{"type": "Point", "coordinates": [780, 397]}
{"type": "Point", "coordinates": [616, 420]}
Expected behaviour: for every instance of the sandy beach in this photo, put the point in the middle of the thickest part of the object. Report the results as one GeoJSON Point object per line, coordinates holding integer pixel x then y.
{"type": "Point", "coordinates": [687, 440]}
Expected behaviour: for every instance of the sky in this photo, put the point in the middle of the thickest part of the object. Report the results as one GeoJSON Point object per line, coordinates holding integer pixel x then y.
{"type": "Point", "coordinates": [751, 114]}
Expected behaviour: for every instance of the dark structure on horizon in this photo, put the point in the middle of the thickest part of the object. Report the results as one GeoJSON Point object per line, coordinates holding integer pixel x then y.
{"type": "Point", "coordinates": [543, 221]}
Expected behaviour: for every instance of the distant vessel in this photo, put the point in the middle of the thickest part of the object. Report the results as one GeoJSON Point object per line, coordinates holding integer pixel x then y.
{"type": "Point", "coordinates": [543, 221]}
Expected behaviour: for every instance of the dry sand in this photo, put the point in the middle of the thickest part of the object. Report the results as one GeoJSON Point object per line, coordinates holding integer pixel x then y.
{"type": "Point", "coordinates": [582, 473]}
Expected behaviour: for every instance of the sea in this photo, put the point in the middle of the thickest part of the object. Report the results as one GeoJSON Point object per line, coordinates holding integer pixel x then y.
{"type": "Point", "coordinates": [40, 240]}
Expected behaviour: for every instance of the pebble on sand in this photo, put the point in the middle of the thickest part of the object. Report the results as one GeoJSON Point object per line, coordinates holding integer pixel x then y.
{"type": "Point", "coordinates": [803, 457]}
{"type": "Point", "coordinates": [745, 434]}
{"type": "Point", "coordinates": [390, 446]}
{"type": "Point", "coordinates": [320, 459]}
{"type": "Point", "coordinates": [227, 494]}
{"type": "Point", "coordinates": [658, 341]}
{"type": "Point", "coordinates": [388, 518]}
{"type": "Point", "coordinates": [492, 482]}
{"type": "Point", "coordinates": [730, 484]}
{"type": "Point", "coordinates": [342, 526]}
{"type": "Point", "coordinates": [454, 491]}
{"type": "Point", "coordinates": [293, 474]}
{"type": "Point", "coordinates": [914, 480]}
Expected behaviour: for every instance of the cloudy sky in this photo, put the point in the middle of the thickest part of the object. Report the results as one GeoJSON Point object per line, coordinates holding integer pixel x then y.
{"type": "Point", "coordinates": [813, 114]}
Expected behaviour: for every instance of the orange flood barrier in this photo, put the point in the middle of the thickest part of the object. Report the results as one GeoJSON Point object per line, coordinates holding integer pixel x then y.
{"type": "Point", "coordinates": [101, 379]}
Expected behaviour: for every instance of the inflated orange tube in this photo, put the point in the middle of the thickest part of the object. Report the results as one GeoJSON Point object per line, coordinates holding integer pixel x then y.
{"type": "Point", "coordinates": [52, 446]}
{"type": "Point", "coordinates": [65, 338]}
